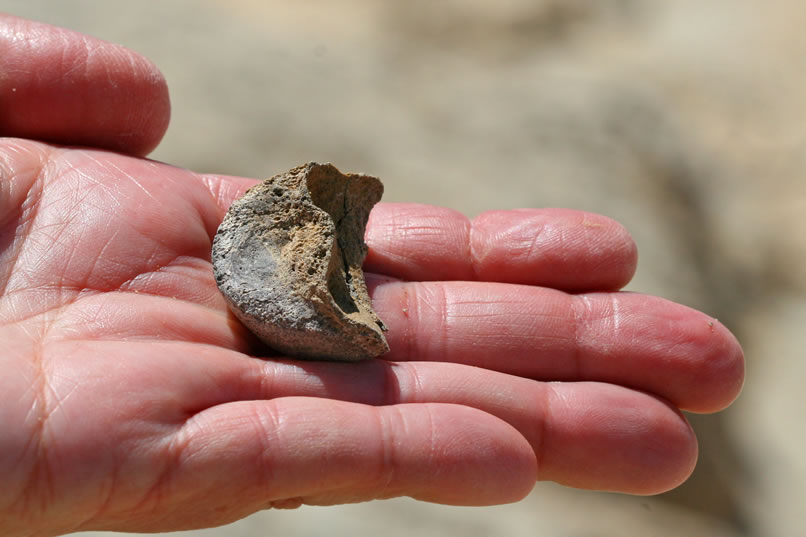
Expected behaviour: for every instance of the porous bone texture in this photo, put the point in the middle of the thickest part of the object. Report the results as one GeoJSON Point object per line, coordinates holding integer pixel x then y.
{"type": "Point", "coordinates": [288, 257]}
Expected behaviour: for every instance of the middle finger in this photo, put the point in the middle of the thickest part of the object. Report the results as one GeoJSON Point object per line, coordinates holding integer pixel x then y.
{"type": "Point", "coordinates": [635, 340]}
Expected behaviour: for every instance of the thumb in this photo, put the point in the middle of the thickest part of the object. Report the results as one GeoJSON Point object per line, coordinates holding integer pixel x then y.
{"type": "Point", "coordinates": [61, 86]}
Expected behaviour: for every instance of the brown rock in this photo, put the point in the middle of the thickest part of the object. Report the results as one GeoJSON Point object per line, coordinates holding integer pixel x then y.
{"type": "Point", "coordinates": [288, 257]}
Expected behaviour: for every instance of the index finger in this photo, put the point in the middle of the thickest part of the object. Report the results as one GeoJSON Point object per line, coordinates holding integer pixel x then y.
{"type": "Point", "coordinates": [558, 248]}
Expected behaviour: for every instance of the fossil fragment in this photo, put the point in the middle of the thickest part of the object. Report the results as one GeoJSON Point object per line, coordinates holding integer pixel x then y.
{"type": "Point", "coordinates": [288, 257]}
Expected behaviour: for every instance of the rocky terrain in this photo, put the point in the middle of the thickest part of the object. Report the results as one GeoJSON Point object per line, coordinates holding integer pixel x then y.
{"type": "Point", "coordinates": [683, 120]}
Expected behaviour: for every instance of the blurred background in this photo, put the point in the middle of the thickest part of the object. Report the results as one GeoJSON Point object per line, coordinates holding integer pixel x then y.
{"type": "Point", "coordinates": [683, 120]}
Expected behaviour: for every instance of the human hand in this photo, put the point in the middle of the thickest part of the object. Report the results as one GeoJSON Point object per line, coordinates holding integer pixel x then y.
{"type": "Point", "coordinates": [132, 400]}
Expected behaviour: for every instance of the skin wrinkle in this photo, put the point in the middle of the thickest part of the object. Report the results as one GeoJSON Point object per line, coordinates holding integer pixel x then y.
{"type": "Point", "coordinates": [74, 282]}
{"type": "Point", "coordinates": [45, 292]}
{"type": "Point", "coordinates": [615, 314]}
{"type": "Point", "coordinates": [51, 310]}
{"type": "Point", "coordinates": [117, 171]}
{"type": "Point", "coordinates": [442, 329]}
{"type": "Point", "coordinates": [575, 356]}
{"type": "Point", "coordinates": [156, 240]}
{"type": "Point", "coordinates": [179, 261]}
{"type": "Point", "coordinates": [403, 233]}
{"type": "Point", "coordinates": [29, 209]}
{"type": "Point", "coordinates": [411, 313]}
{"type": "Point", "coordinates": [50, 407]}
{"type": "Point", "coordinates": [473, 255]}
{"type": "Point", "coordinates": [31, 441]}
{"type": "Point", "coordinates": [103, 58]}
{"type": "Point", "coordinates": [63, 311]}
{"type": "Point", "coordinates": [462, 240]}
{"type": "Point", "coordinates": [537, 236]}
{"type": "Point", "coordinates": [217, 194]}
{"type": "Point", "coordinates": [540, 430]}
{"type": "Point", "coordinates": [15, 39]}
{"type": "Point", "coordinates": [432, 442]}
{"type": "Point", "coordinates": [89, 293]}
{"type": "Point", "coordinates": [62, 173]}
{"type": "Point", "coordinates": [84, 54]}
{"type": "Point", "coordinates": [101, 254]}
{"type": "Point", "coordinates": [149, 273]}
{"type": "Point", "coordinates": [465, 233]}
{"type": "Point", "coordinates": [268, 373]}
{"type": "Point", "coordinates": [114, 194]}
{"type": "Point", "coordinates": [222, 193]}
{"type": "Point", "coordinates": [60, 225]}
{"type": "Point", "coordinates": [59, 400]}
{"type": "Point", "coordinates": [104, 506]}
{"type": "Point", "coordinates": [442, 235]}
{"type": "Point", "coordinates": [85, 323]}
{"type": "Point", "coordinates": [387, 469]}
{"type": "Point", "coordinates": [38, 489]}
{"type": "Point", "coordinates": [139, 117]}
{"type": "Point", "coordinates": [605, 319]}
{"type": "Point", "coordinates": [16, 245]}
{"type": "Point", "coordinates": [390, 390]}
{"type": "Point", "coordinates": [154, 495]}
{"type": "Point", "coordinates": [273, 424]}
{"type": "Point", "coordinates": [161, 326]}
{"type": "Point", "coordinates": [423, 231]}
{"type": "Point", "coordinates": [79, 291]}
{"type": "Point", "coordinates": [415, 380]}
{"type": "Point", "coordinates": [548, 238]}
{"type": "Point", "coordinates": [121, 173]}
{"type": "Point", "coordinates": [77, 54]}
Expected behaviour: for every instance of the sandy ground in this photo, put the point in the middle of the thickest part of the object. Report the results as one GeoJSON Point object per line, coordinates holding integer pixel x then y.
{"type": "Point", "coordinates": [683, 120]}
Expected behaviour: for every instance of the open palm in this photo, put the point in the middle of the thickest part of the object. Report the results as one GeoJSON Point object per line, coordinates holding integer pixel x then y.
{"type": "Point", "coordinates": [132, 399]}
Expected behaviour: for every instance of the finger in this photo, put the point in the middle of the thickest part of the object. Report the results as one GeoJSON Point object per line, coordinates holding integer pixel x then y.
{"type": "Point", "coordinates": [228, 407]}
{"type": "Point", "coordinates": [62, 86]}
{"type": "Point", "coordinates": [237, 458]}
{"type": "Point", "coordinates": [630, 339]}
{"type": "Point", "coordinates": [559, 248]}
{"type": "Point", "coordinates": [584, 434]}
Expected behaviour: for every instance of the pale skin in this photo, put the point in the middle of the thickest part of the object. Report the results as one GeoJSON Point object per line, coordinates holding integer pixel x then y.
{"type": "Point", "coordinates": [131, 399]}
